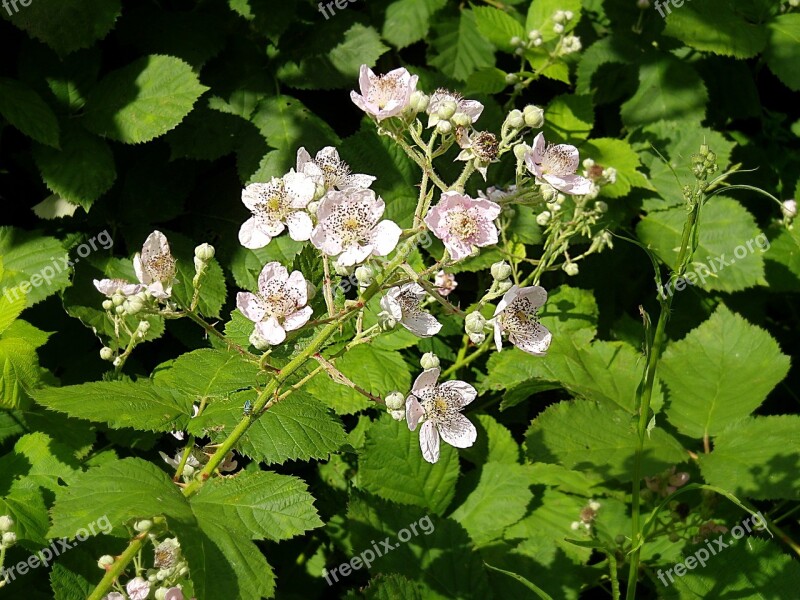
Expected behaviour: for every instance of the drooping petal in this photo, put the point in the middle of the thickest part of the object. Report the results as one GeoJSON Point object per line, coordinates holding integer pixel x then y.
{"type": "Point", "coordinates": [297, 319]}
{"type": "Point", "coordinates": [252, 235]}
{"type": "Point", "coordinates": [138, 268]}
{"type": "Point", "coordinates": [384, 237]}
{"type": "Point", "coordinates": [465, 391]}
{"type": "Point", "coordinates": [300, 226]}
{"type": "Point", "coordinates": [250, 306]}
{"type": "Point", "coordinates": [390, 304]}
{"type": "Point", "coordinates": [272, 270]}
{"type": "Point", "coordinates": [429, 442]}
{"type": "Point", "coordinates": [458, 431]}
{"type": "Point", "coordinates": [425, 380]}
{"type": "Point", "coordinates": [421, 323]}
{"type": "Point", "coordinates": [158, 290]}
{"type": "Point", "coordinates": [575, 185]}
{"type": "Point", "coordinates": [271, 331]}
{"type": "Point", "coordinates": [511, 295]}
{"type": "Point", "coordinates": [414, 412]}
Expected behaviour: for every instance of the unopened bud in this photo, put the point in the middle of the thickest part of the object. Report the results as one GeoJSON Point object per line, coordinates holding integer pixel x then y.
{"type": "Point", "coordinates": [108, 305]}
{"type": "Point", "coordinates": [474, 322]}
{"type": "Point", "coordinates": [6, 523]}
{"type": "Point", "coordinates": [395, 401]}
{"type": "Point", "coordinates": [257, 341]}
{"type": "Point", "coordinates": [515, 41]}
{"type": "Point", "coordinates": [789, 208]}
{"type": "Point", "coordinates": [570, 269]}
{"type": "Point", "coordinates": [558, 28]}
{"type": "Point", "coordinates": [143, 327]}
{"type": "Point", "coordinates": [419, 101]}
{"type": "Point", "coordinates": [444, 127]}
{"type": "Point", "coordinates": [477, 338]}
{"type": "Point", "coordinates": [117, 299]}
{"type": "Point", "coordinates": [504, 286]}
{"type": "Point", "coordinates": [501, 270]}
{"type": "Point", "coordinates": [601, 206]}
{"type": "Point", "coordinates": [120, 310]}
{"type": "Point", "coordinates": [386, 320]}
{"type": "Point", "coordinates": [520, 150]}
{"type": "Point", "coordinates": [543, 218]}
{"type": "Point", "coordinates": [365, 274]}
{"type": "Point", "coordinates": [429, 361]}
{"type": "Point", "coordinates": [397, 415]}
{"type": "Point", "coordinates": [534, 34]}
{"type": "Point", "coordinates": [534, 116]}
{"type": "Point", "coordinates": [204, 252]}
{"type": "Point", "coordinates": [143, 526]}
{"type": "Point", "coordinates": [117, 361]}
{"type": "Point", "coordinates": [515, 119]}
{"type": "Point", "coordinates": [312, 207]}
{"type": "Point", "coordinates": [343, 270]}
{"type": "Point", "coordinates": [461, 119]}
{"type": "Point", "coordinates": [105, 561]}
{"type": "Point", "coordinates": [106, 353]}
{"type": "Point", "coordinates": [447, 109]}
{"type": "Point", "coordinates": [511, 78]}
{"type": "Point", "coordinates": [9, 539]}
{"type": "Point", "coordinates": [549, 193]}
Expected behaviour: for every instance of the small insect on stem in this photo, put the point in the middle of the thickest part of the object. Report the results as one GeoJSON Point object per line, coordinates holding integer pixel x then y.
{"type": "Point", "coordinates": [248, 408]}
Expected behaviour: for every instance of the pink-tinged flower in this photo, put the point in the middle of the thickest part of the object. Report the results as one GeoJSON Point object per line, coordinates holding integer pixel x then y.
{"type": "Point", "coordinates": [385, 95]}
{"type": "Point", "coordinates": [275, 206]}
{"type": "Point", "coordinates": [442, 97]}
{"type": "Point", "coordinates": [348, 227]}
{"type": "Point", "coordinates": [280, 304]}
{"type": "Point", "coordinates": [445, 283]}
{"type": "Point", "coordinates": [516, 315]}
{"type": "Point", "coordinates": [138, 588]}
{"type": "Point", "coordinates": [174, 593]}
{"type": "Point", "coordinates": [440, 406]}
{"type": "Point", "coordinates": [557, 165]}
{"type": "Point", "coordinates": [403, 303]}
{"type": "Point", "coordinates": [462, 222]}
{"type": "Point", "coordinates": [331, 172]}
{"type": "Point", "coordinates": [112, 287]}
{"type": "Point", "coordinates": [113, 596]}
{"type": "Point", "coordinates": [155, 266]}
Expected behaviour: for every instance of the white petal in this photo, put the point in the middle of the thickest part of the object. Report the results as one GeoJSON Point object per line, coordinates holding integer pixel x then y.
{"type": "Point", "coordinates": [297, 283]}
{"type": "Point", "coordinates": [384, 237]}
{"type": "Point", "coordinates": [354, 254]}
{"type": "Point", "coordinates": [272, 270]}
{"type": "Point", "coordinates": [429, 442]}
{"type": "Point", "coordinates": [537, 295]}
{"type": "Point", "coordinates": [459, 432]}
{"type": "Point", "coordinates": [252, 236]}
{"type": "Point", "coordinates": [328, 153]}
{"type": "Point", "coordinates": [471, 107]}
{"type": "Point", "coordinates": [328, 244]}
{"type": "Point", "coordinates": [421, 323]}
{"type": "Point", "coordinates": [303, 158]}
{"type": "Point", "coordinates": [300, 188]}
{"type": "Point", "coordinates": [414, 412]}
{"type": "Point", "coordinates": [157, 290]}
{"type": "Point", "coordinates": [359, 181]}
{"type": "Point", "coordinates": [297, 319]}
{"type": "Point", "coordinates": [511, 295]}
{"type": "Point", "coordinates": [300, 226]}
{"type": "Point", "coordinates": [250, 306]}
{"type": "Point", "coordinates": [425, 380]}
{"type": "Point", "coordinates": [465, 391]}
{"type": "Point", "coordinates": [390, 304]}
{"type": "Point", "coordinates": [138, 268]}
{"type": "Point", "coordinates": [155, 245]}
{"type": "Point", "coordinates": [536, 343]}
{"type": "Point", "coordinates": [251, 195]}
{"type": "Point", "coordinates": [498, 336]}
{"type": "Point", "coordinates": [271, 331]}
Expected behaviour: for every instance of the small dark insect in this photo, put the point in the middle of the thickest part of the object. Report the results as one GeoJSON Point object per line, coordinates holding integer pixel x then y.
{"type": "Point", "coordinates": [248, 408]}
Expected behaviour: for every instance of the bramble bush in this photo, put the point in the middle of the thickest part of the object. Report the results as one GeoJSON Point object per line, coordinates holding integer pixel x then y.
{"type": "Point", "coordinates": [399, 299]}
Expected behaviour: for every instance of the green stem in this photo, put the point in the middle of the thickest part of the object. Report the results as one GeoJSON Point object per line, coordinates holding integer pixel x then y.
{"type": "Point", "coordinates": [116, 569]}
{"type": "Point", "coordinates": [462, 361]}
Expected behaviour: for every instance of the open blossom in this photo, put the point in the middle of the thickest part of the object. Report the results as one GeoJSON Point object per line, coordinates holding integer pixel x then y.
{"type": "Point", "coordinates": [331, 172]}
{"type": "Point", "coordinates": [441, 97]}
{"type": "Point", "coordinates": [445, 283]}
{"type": "Point", "coordinates": [516, 315]}
{"type": "Point", "coordinates": [275, 206]}
{"type": "Point", "coordinates": [480, 146]}
{"type": "Point", "coordinates": [385, 95]}
{"type": "Point", "coordinates": [556, 164]}
{"type": "Point", "coordinates": [138, 588]}
{"type": "Point", "coordinates": [348, 227]}
{"type": "Point", "coordinates": [403, 304]}
{"type": "Point", "coordinates": [462, 222]}
{"type": "Point", "coordinates": [440, 406]}
{"type": "Point", "coordinates": [112, 287]}
{"type": "Point", "coordinates": [155, 266]}
{"type": "Point", "coordinates": [280, 304]}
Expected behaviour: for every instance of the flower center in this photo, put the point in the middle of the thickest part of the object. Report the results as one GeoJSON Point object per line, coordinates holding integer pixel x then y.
{"type": "Point", "coordinates": [559, 160]}
{"type": "Point", "coordinates": [383, 90]}
{"type": "Point", "coordinates": [520, 318]}
{"type": "Point", "coordinates": [461, 224]}
{"type": "Point", "coordinates": [161, 267]}
{"type": "Point", "coordinates": [334, 172]}
{"type": "Point", "coordinates": [273, 202]}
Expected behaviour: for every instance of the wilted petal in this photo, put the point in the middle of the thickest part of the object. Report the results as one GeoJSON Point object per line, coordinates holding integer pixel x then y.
{"type": "Point", "coordinates": [429, 442]}
{"type": "Point", "coordinates": [458, 431]}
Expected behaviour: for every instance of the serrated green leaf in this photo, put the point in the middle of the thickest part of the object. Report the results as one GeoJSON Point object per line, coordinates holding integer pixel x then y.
{"type": "Point", "coordinates": [10, 309]}
{"type": "Point", "coordinates": [122, 490]}
{"type": "Point", "coordinates": [494, 444]}
{"type": "Point", "coordinates": [258, 505]}
{"type": "Point", "coordinates": [20, 372]}
{"type": "Point", "coordinates": [68, 585]}
{"type": "Point", "coordinates": [81, 171]}
{"type": "Point", "coordinates": [619, 155]}
{"type": "Point", "coordinates": [782, 263]}
{"type": "Point", "coordinates": [297, 428]}
{"type": "Point", "coordinates": [392, 587]}
{"type": "Point", "coordinates": [489, 80]}
{"type": "Point", "coordinates": [726, 229]}
{"type": "Point", "coordinates": [720, 373]}
{"type": "Point", "coordinates": [391, 448]}
{"type": "Point", "coordinates": [25, 110]}
{"type": "Point", "coordinates": [499, 500]}
{"type": "Point", "coordinates": [757, 458]}
{"type": "Point", "coordinates": [33, 263]}
{"type": "Point", "coordinates": [568, 118]}
{"type": "Point", "coordinates": [139, 405]}
{"type": "Point", "coordinates": [213, 290]}
{"type": "Point", "coordinates": [207, 373]}
{"type": "Point", "coordinates": [361, 45]}
{"type": "Point", "coordinates": [27, 507]}
{"type": "Point", "coordinates": [144, 100]}
{"type": "Point", "coordinates": [247, 264]}
{"type": "Point", "coordinates": [408, 21]}
{"type": "Point", "coordinates": [67, 25]}
{"type": "Point", "coordinates": [731, 35]}
{"type": "Point", "coordinates": [783, 50]}
{"type": "Point", "coordinates": [668, 89]}
{"type": "Point", "coordinates": [540, 16]}
{"type": "Point", "coordinates": [498, 27]}
{"type": "Point", "coordinates": [460, 49]}
{"type": "Point", "coordinates": [585, 436]}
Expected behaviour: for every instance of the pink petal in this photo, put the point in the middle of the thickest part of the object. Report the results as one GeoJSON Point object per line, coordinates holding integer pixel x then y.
{"type": "Point", "coordinates": [250, 306]}
{"type": "Point", "coordinates": [459, 432]}
{"type": "Point", "coordinates": [271, 331]}
{"type": "Point", "coordinates": [414, 412]}
{"type": "Point", "coordinates": [574, 185]}
{"type": "Point", "coordinates": [429, 442]}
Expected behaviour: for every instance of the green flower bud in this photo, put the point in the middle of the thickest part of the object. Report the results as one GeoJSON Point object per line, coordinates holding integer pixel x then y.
{"type": "Point", "coordinates": [312, 207]}
{"type": "Point", "coordinates": [477, 338]}
{"type": "Point", "coordinates": [117, 361]}
{"type": "Point", "coordinates": [9, 539]}
{"type": "Point", "coordinates": [6, 523]}
{"type": "Point", "coordinates": [397, 415]}
{"type": "Point", "coordinates": [447, 109]}
{"type": "Point", "coordinates": [520, 150]}
{"type": "Point", "coordinates": [386, 321]}
{"type": "Point", "coordinates": [511, 78]}
{"type": "Point", "coordinates": [342, 270]}
{"type": "Point", "coordinates": [534, 34]}
{"type": "Point", "coordinates": [161, 593]}
{"type": "Point", "coordinates": [474, 322]}
{"type": "Point", "coordinates": [365, 274]}
{"type": "Point", "coordinates": [120, 310]}
{"type": "Point", "coordinates": [444, 127]}
{"type": "Point", "coordinates": [570, 269]}
{"type": "Point", "coordinates": [106, 353]}
{"type": "Point", "coordinates": [395, 401]}
{"type": "Point", "coordinates": [108, 305]}
{"type": "Point", "coordinates": [105, 561]}
{"type": "Point", "coordinates": [461, 119]}
{"type": "Point", "coordinates": [549, 193]}
{"type": "Point", "coordinates": [429, 361]}
{"type": "Point", "coordinates": [419, 101]}
{"type": "Point", "coordinates": [543, 218]}
{"type": "Point", "coordinates": [117, 299]}
{"type": "Point", "coordinates": [143, 327]}
{"type": "Point", "coordinates": [515, 120]}
{"type": "Point", "coordinates": [534, 116]}
{"type": "Point", "coordinates": [504, 286]}
{"type": "Point", "coordinates": [501, 270]}
{"type": "Point", "coordinates": [204, 252]}
{"type": "Point", "coordinates": [515, 41]}
{"type": "Point", "coordinates": [143, 526]}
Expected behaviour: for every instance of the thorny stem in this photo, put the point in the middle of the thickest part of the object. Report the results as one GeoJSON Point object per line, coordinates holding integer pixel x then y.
{"type": "Point", "coordinates": [186, 453]}
{"type": "Point", "coordinates": [326, 284]}
{"type": "Point", "coordinates": [116, 569]}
